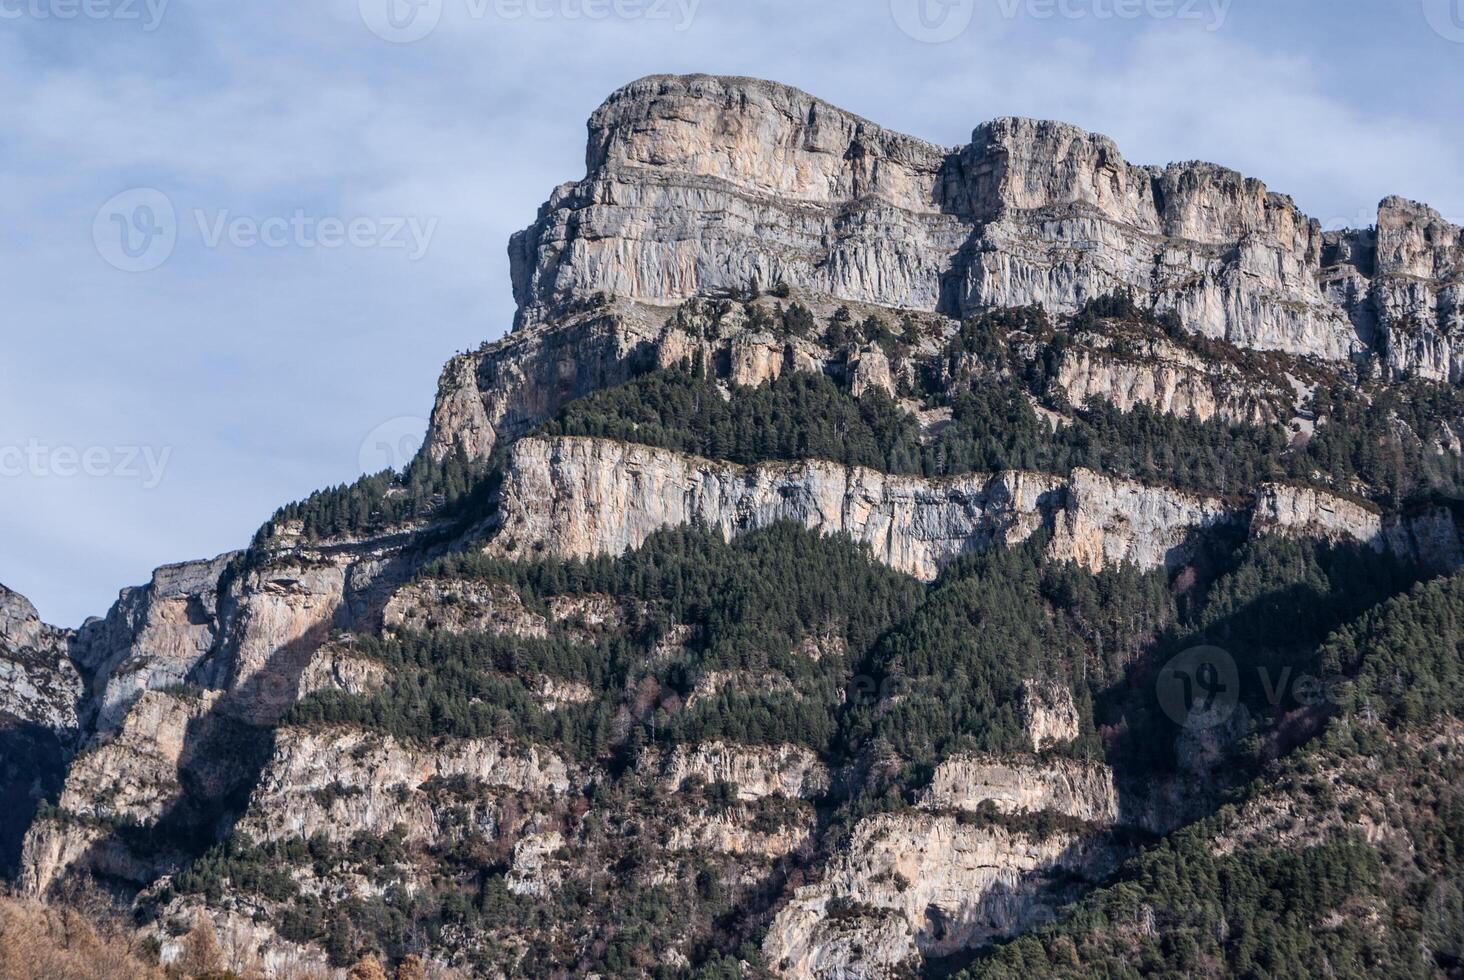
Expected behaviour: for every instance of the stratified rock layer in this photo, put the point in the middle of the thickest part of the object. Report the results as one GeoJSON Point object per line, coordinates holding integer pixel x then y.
{"type": "Point", "coordinates": [696, 184]}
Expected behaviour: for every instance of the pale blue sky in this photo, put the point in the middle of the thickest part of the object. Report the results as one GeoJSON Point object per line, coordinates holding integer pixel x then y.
{"type": "Point", "coordinates": [238, 375]}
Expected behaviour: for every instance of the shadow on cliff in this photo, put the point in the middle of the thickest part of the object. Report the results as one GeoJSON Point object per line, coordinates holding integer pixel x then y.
{"type": "Point", "coordinates": [228, 745]}
{"type": "Point", "coordinates": [1263, 679]}
{"type": "Point", "coordinates": [32, 770]}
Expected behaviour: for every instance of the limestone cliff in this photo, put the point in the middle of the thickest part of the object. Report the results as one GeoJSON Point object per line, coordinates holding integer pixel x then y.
{"type": "Point", "coordinates": [1082, 790]}
{"type": "Point", "coordinates": [698, 183]}
{"type": "Point", "coordinates": [39, 683]}
{"type": "Point", "coordinates": [605, 751]}
{"type": "Point", "coordinates": [152, 637]}
{"type": "Point", "coordinates": [341, 783]}
{"type": "Point", "coordinates": [582, 497]}
{"type": "Point", "coordinates": [917, 884]}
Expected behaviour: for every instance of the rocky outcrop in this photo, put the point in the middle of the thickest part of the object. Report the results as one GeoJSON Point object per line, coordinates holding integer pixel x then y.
{"type": "Point", "coordinates": [1417, 292]}
{"type": "Point", "coordinates": [246, 637]}
{"type": "Point", "coordinates": [1285, 510]}
{"type": "Point", "coordinates": [39, 683]}
{"type": "Point", "coordinates": [457, 606]}
{"type": "Point", "coordinates": [502, 391]}
{"type": "Point", "coordinates": [135, 779]}
{"type": "Point", "coordinates": [1081, 790]}
{"type": "Point", "coordinates": [919, 884]}
{"type": "Point", "coordinates": [152, 637]}
{"type": "Point", "coordinates": [738, 831]}
{"type": "Point", "coordinates": [334, 667]}
{"type": "Point", "coordinates": [1430, 536]}
{"type": "Point", "coordinates": [1049, 716]}
{"type": "Point", "coordinates": [580, 497]}
{"type": "Point", "coordinates": [1165, 378]}
{"type": "Point", "coordinates": [343, 782]}
{"type": "Point", "coordinates": [697, 184]}
{"type": "Point", "coordinates": [758, 771]}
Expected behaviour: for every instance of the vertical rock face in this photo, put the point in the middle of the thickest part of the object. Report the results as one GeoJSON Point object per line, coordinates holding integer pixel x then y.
{"type": "Point", "coordinates": [41, 699]}
{"type": "Point", "coordinates": [1048, 713]}
{"type": "Point", "coordinates": [582, 497]}
{"type": "Point", "coordinates": [1430, 536]}
{"type": "Point", "coordinates": [39, 684]}
{"type": "Point", "coordinates": [498, 395]}
{"type": "Point", "coordinates": [135, 778]}
{"type": "Point", "coordinates": [1161, 376]}
{"type": "Point", "coordinates": [578, 497]}
{"type": "Point", "coordinates": [1081, 790]}
{"type": "Point", "coordinates": [1419, 290]}
{"type": "Point", "coordinates": [696, 184]}
{"type": "Point", "coordinates": [240, 643]}
{"type": "Point", "coordinates": [168, 717]}
{"type": "Point", "coordinates": [152, 637]}
{"type": "Point", "coordinates": [785, 770]}
{"type": "Point", "coordinates": [344, 782]}
{"type": "Point", "coordinates": [1065, 218]}
{"type": "Point", "coordinates": [1292, 511]}
{"type": "Point", "coordinates": [916, 883]}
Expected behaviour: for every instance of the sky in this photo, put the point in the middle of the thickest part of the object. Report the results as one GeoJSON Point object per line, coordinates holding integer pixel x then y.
{"type": "Point", "coordinates": [317, 196]}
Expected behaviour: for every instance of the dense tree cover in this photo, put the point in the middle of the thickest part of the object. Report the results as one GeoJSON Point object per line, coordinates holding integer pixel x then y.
{"type": "Point", "coordinates": [1406, 656]}
{"type": "Point", "coordinates": [380, 501]}
{"type": "Point", "coordinates": [1339, 909]}
{"type": "Point", "coordinates": [930, 670]}
{"type": "Point", "coordinates": [1388, 439]}
{"type": "Point", "coordinates": [993, 427]}
{"type": "Point", "coordinates": [1269, 603]}
{"type": "Point", "coordinates": [947, 678]}
{"type": "Point", "coordinates": [924, 671]}
{"type": "Point", "coordinates": [798, 416]}
{"type": "Point", "coordinates": [752, 601]}
{"type": "Point", "coordinates": [1182, 911]}
{"type": "Point", "coordinates": [994, 373]}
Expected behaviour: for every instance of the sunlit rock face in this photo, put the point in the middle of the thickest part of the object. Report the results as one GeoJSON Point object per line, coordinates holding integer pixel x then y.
{"type": "Point", "coordinates": [696, 184]}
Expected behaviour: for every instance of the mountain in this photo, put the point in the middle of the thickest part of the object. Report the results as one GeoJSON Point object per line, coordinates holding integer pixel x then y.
{"type": "Point", "coordinates": [862, 559]}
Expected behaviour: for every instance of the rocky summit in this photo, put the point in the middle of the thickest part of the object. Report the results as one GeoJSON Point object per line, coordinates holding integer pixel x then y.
{"type": "Point", "coordinates": [862, 559]}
